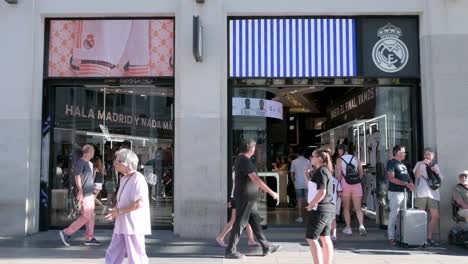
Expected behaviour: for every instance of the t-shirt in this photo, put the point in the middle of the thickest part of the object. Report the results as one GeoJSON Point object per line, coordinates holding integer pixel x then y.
{"type": "Point", "coordinates": [244, 187]}
{"type": "Point", "coordinates": [324, 180]}
{"type": "Point", "coordinates": [98, 178]}
{"type": "Point", "coordinates": [297, 166]}
{"type": "Point", "coordinates": [85, 170]}
{"type": "Point", "coordinates": [137, 222]}
{"type": "Point", "coordinates": [401, 173]}
{"type": "Point", "coordinates": [460, 192]}
{"type": "Point", "coordinates": [422, 188]}
{"type": "Point", "coordinates": [336, 189]}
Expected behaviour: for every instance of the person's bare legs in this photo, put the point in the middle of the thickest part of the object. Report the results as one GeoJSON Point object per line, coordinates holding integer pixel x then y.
{"type": "Point", "coordinates": [333, 228]}
{"type": "Point", "coordinates": [327, 249]}
{"type": "Point", "coordinates": [110, 199]}
{"type": "Point", "coordinates": [358, 209]}
{"type": "Point", "coordinates": [315, 250]}
{"type": "Point", "coordinates": [435, 216]}
{"type": "Point", "coordinates": [227, 228]}
{"type": "Point", "coordinates": [250, 235]}
{"type": "Point", "coordinates": [346, 201]}
{"type": "Point", "coordinates": [300, 206]}
{"type": "Point", "coordinates": [96, 200]}
{"type": "Point", "coordinates": [359, 214]}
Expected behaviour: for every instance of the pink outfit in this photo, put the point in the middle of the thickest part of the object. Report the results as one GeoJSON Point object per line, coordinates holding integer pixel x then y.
{"type": "Point", "coordinates": [130, 229]}
{"type": "Point", "coordinates": [86, 218]}
{"type": "Point", "coordinates": [352, 190]}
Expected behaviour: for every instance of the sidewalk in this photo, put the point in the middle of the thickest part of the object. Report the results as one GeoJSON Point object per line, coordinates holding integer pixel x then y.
{"type": "Point", "coordinates": [163, 247]}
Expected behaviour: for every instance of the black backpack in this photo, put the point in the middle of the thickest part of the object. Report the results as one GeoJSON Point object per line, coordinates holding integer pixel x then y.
{"type": "Point", "coordinates": [352, 173]}
{"type": "Point", "coordinates": [433, 180]}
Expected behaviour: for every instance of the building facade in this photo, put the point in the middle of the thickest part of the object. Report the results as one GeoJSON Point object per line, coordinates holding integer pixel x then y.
{"type": "Point", "coordinates": [198, 97]}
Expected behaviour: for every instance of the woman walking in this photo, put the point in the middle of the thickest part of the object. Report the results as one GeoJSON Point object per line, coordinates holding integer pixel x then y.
{"type": "Point", "coordinates": [320, 208]}
{"type": "Point", "coordinates": [131, 213]}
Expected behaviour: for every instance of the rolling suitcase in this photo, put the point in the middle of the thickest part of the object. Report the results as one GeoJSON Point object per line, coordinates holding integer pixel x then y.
{"type": "Point", "coordinates": [411, 228]}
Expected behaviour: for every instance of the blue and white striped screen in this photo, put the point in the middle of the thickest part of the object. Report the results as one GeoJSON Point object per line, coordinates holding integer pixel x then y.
{"type": "Point", "coordinates": [292, 47]}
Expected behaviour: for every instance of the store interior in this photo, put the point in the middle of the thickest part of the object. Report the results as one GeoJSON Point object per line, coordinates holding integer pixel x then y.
{"type": "Point", "coordinates": [369, 115]}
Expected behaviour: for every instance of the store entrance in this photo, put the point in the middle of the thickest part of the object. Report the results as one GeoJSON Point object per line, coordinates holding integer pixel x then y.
{"type": "Point", "coordinates": [370, 116]}
{"type": "Point", "coordinates": [110, 118]}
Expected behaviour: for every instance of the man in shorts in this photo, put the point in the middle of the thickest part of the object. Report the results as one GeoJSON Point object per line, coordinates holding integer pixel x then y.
{"type": "Point", "coordinates": [297, 174]}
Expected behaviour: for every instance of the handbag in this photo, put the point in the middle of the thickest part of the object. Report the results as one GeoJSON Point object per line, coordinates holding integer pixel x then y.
{"type": "Point", "coordinates": [433, 180]}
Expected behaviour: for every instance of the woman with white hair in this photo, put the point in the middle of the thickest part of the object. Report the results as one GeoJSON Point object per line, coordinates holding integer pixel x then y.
{"type": "Point", "coordinates": [131, 212]}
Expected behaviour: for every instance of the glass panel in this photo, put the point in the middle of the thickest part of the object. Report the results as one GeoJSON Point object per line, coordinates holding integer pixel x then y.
{"type": "Point", "coordinates": [109, 118]}
{"type": "Point", "coordinates": [369, 116]}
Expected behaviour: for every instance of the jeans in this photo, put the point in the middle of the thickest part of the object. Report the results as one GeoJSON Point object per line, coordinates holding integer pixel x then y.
{"type": "Point", "coordinates": [396, 202]}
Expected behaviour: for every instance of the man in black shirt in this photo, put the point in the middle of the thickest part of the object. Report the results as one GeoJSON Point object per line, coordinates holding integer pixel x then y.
{"type": "Point", "coordinates": [246, 188]}
{"type": "Point", "coordinates": [398, 181]}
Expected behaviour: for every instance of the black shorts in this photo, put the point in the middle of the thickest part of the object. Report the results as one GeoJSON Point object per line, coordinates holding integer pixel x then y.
{"type": "Point", "coordinates": [318, 224]}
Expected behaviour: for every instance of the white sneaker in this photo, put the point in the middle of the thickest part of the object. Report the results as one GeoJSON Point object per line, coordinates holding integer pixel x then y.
{"type": "Point", "coordinates": [347, 231]}
{"type": "Point", "coordinates": [299, 220]}
{"type": "Point", "coordinates": [362, 231]}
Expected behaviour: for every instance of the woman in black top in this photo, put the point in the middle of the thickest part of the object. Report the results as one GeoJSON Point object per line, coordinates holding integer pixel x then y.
{"type": "Point", "coordinates": [321, 208]}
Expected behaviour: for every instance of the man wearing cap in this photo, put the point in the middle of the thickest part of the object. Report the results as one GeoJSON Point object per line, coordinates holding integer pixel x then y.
{"type": "Point", "coordinates": [460, 194]}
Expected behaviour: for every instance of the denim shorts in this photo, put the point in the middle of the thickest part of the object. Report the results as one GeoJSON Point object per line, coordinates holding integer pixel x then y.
{"type": "Point", "coordinates": [318, 224]}
{"type": "Point", "coordinates": [301, 193]}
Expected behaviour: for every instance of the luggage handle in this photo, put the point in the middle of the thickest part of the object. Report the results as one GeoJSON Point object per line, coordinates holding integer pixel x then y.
{"type": "Point", "coordinates": [406, 200]}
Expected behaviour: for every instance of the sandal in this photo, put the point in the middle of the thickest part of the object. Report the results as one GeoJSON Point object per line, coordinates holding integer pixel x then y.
{"type": "Point", "coordinates": [220, 243]}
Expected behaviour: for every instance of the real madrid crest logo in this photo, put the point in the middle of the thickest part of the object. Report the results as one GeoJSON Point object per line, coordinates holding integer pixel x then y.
{"type": "Point", "coordinates": [390, 54]}
{"type": "Point", "coordinates": [88, 43]}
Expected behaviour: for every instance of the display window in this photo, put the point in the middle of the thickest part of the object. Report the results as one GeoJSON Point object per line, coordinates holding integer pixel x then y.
{"type": "Point", "coordinates": [109, 83]}
{"type": "Point", "coordinates": [369, 116]}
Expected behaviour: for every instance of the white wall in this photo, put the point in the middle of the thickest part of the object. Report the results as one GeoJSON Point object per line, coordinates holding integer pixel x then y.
{"type": "Point", "coordinates": [444, 93]}
{"type": "Point", "coordinates": [201, 93]}
{"type": "Point", "coordinates": [19, 188]}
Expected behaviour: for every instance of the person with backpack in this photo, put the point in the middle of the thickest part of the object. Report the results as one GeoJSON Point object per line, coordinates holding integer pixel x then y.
{"type": "Point", "coordinates": [349, 173]}
{"type": "Point", "coordinates": [428, 180]}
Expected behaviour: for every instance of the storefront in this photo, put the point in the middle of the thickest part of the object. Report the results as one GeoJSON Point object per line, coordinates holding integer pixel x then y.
{"type": "Point", "coordinates": [109, 83]}
{"type": "Point", "coordinates": [316, 82]}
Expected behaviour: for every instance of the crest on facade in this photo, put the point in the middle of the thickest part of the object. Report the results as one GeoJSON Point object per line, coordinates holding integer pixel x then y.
{"type": "Point", "coordinates": [390, 54]}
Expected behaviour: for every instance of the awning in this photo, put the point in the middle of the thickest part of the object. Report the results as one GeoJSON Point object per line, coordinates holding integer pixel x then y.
{"type": "Point", "coordinates": [292, 47]}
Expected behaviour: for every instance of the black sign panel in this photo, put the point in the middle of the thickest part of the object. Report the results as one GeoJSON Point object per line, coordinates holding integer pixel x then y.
{"type": "Point", "coordinates": [115, 113]}
{"type": "Point", "coordinates": [359, 104]}
{"type": "Point", "coordinates": [388, 47]}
